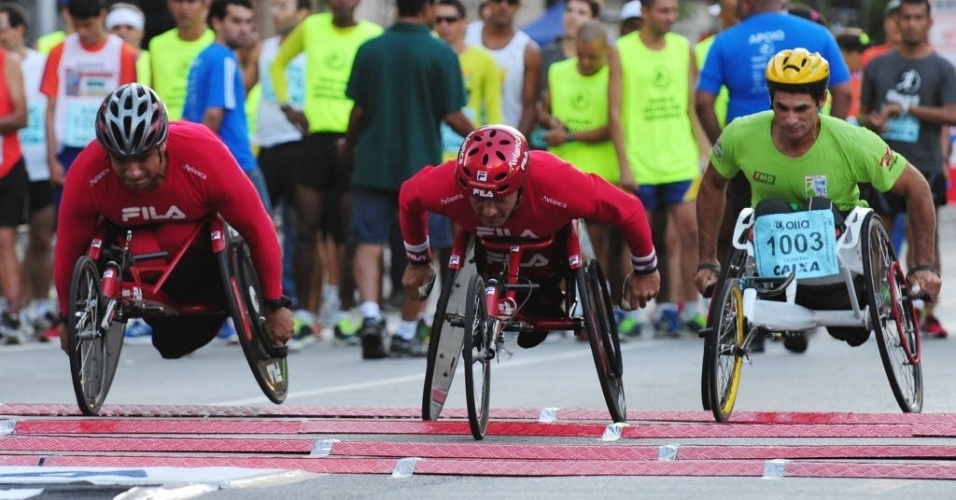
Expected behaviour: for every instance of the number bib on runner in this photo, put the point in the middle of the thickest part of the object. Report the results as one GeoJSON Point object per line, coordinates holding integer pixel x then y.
{"type": "Point", "coordinates": [801, 242]}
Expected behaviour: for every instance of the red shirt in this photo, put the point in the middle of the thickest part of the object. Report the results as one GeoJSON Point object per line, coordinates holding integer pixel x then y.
{"type": "Point", "coordinates": [202, 179]}
{"type": "Point", "coordinates": [554, 193]}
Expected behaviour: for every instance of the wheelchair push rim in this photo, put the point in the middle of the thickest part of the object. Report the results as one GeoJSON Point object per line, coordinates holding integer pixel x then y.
{"type": "Point", "coordinates": [477, 337]}
{"type": "Point", "coordinates": [893, 318]}
{"type": "Point", "coordinates": [595, 301]}
{"type": "Point", "coordinates": [269, 366]}
{"type": "Point", "coordinates": [94, 354]}
{"type": "Point", "coordinates": [725, 350]}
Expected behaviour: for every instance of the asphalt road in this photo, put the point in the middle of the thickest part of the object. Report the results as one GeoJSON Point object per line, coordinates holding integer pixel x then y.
{"type": "Point", "coordinates": [661, 375]}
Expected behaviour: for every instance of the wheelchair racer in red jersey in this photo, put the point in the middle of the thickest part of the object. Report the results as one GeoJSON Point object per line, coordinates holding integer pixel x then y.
{"type": "Point", "coordinates": [161, 179]}
{"type": "Point", "coordinates": [496, 187]}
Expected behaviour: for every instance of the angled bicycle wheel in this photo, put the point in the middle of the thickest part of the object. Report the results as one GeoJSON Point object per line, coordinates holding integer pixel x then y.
{"type": "Point", "coordinates": [726, 352]}
{"type": "Point", "coordinates": [94, 353]}
{"type": "Point", "coordinates": [893, 317]}
{"type": "Point", "coordinates": [447, 337]}
{"type": "Point", "coordinates": [595, 300]}
{"type": "Point", "coordinates": [243, 293]}
{"type": "Point", "coordinates": [473, 354]}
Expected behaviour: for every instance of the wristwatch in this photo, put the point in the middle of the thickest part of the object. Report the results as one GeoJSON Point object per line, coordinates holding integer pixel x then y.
{"type": "Point", "coordinates": [276, 304]}
{"type": "Point", "coordinates": [570, 137]}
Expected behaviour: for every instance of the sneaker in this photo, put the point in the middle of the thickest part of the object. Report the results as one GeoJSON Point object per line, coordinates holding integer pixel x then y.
{"type": "Point", "coordinates": [668, 325]}
{"type": "Point", "coordinates": [303, 331]}
{"type": "Point", "coordinates": [527, 340]}
{"type": "Point", "coordinates": [423, 331]}
{"type": "Point", "coordinates": [227, 333]}
{"type": "Point", "coordinates": [138, 332]}
{"type": "Point", "coordinates": [696, 324]}
{"type": "Point", "coordinates": [932, 328]}
{"type": "Point", "coordinates": [796, 342]}
{"type": "Point", "coordinates": [346, 331]}
{"type": "Point", "coordinates": [402, 348]}
{"type": "Point", "coordinates": [372, 334]}
{"type": "Point", "coordinates": [10, 328]}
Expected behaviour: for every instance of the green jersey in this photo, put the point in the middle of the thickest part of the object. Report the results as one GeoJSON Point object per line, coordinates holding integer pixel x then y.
{"type": "Point", "coordinates": [843, 156]}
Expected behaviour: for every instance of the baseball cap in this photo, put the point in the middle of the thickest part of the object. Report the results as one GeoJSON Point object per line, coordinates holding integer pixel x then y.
{"type": "Point", "coordinates": [631, 9]}
{"type": "Point", "coordinates": [891, 7]}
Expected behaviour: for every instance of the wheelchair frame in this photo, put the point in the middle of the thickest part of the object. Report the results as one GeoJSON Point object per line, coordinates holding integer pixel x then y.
{"type": "Point", "coordinates": [739, 311]}
{"type": "Point", "coordinates": [102, 299]}
{"type": "Point", "coordinates": [471, 320]}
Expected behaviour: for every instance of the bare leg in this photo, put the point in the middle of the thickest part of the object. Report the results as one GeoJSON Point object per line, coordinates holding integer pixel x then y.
{"type": "Point", "coordinates": [308, 214]}
{"type": "Point", "coordinates": [367, 268]}
{"type": "Point", "coordinates": [37, 277]}
{"type": "Point", "coordinates": [9, 269]}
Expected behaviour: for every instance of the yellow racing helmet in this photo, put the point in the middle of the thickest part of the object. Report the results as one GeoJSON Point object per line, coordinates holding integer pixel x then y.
{"type": "Point", "coordinates": [798, 70]}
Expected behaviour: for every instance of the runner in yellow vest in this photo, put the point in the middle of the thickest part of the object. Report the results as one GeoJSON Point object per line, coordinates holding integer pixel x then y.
{"type": "Point", "coordinates": [329, 42]}
{"type": "Point", "coordinates": [654, 129]}
{"type": "Point", "coordinates": [482, 76]}
{"type": "Point", "coordinates": [574, 110]}
{"type": "Point", "coordinates": [173, 52]}
{"type": "Point", "coordinates": [46, 42]}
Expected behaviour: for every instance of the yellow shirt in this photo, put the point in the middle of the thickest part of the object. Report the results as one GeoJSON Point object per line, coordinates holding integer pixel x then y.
{"type": "Point", "coordinates": [171, 59]}
{"type": "Point", "coordinates": [483, 88]}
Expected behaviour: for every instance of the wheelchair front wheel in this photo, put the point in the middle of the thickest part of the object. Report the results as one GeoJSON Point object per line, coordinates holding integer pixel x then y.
{"type": "Point", "coordinates": [595, 299]}
{"type": "Point", "coordinates": [724, 351]}
{"type": "Point", "coordinates": [893, 316]}
{"type": "Point", "coordinates": [474, 353]}
{"type": "Point", "coordinates": [94, 354]}
{"type": "Point", "coordinates": [733, 267]}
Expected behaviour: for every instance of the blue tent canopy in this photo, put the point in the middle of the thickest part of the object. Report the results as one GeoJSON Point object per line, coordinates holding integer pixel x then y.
{"type": "Point", "coordinates": [549, 26]}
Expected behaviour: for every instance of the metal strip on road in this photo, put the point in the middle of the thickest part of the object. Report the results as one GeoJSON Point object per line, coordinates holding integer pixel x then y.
{"type": "Point", "coordinates": [178, 444]}
{"type": "Point", "coordinates": [679, 431]}
{"type": "Point", "coordinates": [20, 460]}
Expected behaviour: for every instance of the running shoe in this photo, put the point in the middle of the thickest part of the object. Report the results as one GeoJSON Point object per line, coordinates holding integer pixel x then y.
{"type": "Point", "coordinates": [932, 328]}
{"type": "Point", "coordinates": [138, 333]}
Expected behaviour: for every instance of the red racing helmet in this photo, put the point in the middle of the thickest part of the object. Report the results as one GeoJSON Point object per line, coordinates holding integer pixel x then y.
{"type": "Point", "coordinates": [492, 161]}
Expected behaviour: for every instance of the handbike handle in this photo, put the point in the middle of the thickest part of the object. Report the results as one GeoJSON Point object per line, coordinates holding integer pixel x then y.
{"type": "Point", "coordinates": [426, 289]}
{"type": "Point", "coordinates": [150, 256]}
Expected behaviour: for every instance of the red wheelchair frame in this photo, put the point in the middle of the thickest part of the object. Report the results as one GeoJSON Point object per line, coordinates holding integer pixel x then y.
{"type": "Point", "coordinates": [103, 297]}
{"type": "Point", "coordinates": [471, 320]}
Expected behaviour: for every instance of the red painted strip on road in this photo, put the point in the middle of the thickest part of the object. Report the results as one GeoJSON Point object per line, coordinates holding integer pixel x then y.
{"type": "Point", "coordinates": [19, 460]}
{"type": "Point", "coordinates": [796, 452]}
{"type": "Point", "coordinates": [844, 470]}
{"type": "Point", "coordinates": [341, 426]}
{"type": "Point", "coordinates": [545, 468]}
{"type": "Point", "coordinates": [563, 414]}
{"type": "Point", "coordinates": [178, 444]}
{"type": "Point", "coordinates": [763, 431]}
{"type": "Point", "coordinates": [337, 466]}
{"type": "Point", "coordinates": [483, 450]}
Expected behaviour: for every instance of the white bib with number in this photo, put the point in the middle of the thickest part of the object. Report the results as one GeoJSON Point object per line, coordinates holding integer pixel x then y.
{"type": "Point", "coordinates": [802, 243]}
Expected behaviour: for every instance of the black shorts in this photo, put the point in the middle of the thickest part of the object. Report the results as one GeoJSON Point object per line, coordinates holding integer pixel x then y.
{"type": "Point", "coordinates": [280, 165]}
{"type": "Point", "coordinates": [41, 195]}
{"type": "Point", "coordinates": [14, 189]}
{"type": "Point", "coordinates": [322, 171]}
{"type": "Point", "coordinates": [892, 204]}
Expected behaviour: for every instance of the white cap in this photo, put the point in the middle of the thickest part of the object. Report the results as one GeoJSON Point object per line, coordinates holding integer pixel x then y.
{"type": "Point", "coordinates": [119, 16]}
{"type": "Point", "coordinates": [630, 9]}
{"type": "Point", "coordinates": [714, 9]}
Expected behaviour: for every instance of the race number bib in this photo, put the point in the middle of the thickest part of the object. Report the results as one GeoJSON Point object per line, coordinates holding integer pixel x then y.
{"type": "Point", "coordinates": [803, 243]}
{"type": "Point", "coordinates": [902, 128]}
{"type": "Point", "coordinates": [80, 125]}
{"type": "Point", "coordinates": [33, 134]}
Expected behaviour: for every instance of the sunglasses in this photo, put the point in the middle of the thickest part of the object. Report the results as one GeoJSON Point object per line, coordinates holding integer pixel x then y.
{"type": "Point", "coordinates": [509, 2]}
{"type": "Point", "coordinates": [446, 19]}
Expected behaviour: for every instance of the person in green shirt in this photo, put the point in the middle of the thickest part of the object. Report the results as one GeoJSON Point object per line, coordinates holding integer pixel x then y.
{"type": "Point", "coordinates": [46, 42]}
{"type": "Point", "coordinates": [792, 154]}
{"type": "Point", "coordinates": [173, 52]}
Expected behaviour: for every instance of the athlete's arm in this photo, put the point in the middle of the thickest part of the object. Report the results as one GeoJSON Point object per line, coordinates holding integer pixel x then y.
{"type": "Point", "coordinates": [615, 129]}
{"type": "Point", "coordinates": [290, 47]}
{"type": "Point", "coordinates": [413, 218]}
{"type": "Point", "coordinates": [708, 85]}
{"type": "Point", "coordinates": [532, 83]}
{"type": "Point", "coordinates": [841, 96]}
{"type": "Point", "coordinates": [17, 118]}
{"type": "Point", "coordinates": [347, 144]}
{"type": "Point", "coordinates": [703, 142]}
{"type": "Point", "coordinates": [921, 216]}
{"type": "Point", "coordinates": [710, 211]}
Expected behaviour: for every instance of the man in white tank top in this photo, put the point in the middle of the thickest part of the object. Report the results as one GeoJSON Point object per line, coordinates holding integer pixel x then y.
{"type": "Point", "coordinates": [517, 55]}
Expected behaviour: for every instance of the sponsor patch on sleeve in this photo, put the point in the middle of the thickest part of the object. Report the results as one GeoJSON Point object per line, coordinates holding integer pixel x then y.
{"type": "Point", "coordinates": [887, 159]}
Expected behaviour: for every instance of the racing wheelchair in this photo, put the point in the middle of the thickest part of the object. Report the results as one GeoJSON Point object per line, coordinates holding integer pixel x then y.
{"type": "Point", "coordinates": [489, 291]}
{"type": "Point", "coordinates": [789, 273]}
{"type": "Point", "coordinates": [112, 285]}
